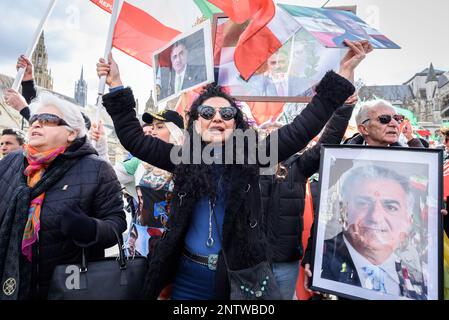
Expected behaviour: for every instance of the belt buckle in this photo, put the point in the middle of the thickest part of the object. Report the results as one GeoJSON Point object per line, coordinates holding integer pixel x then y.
{"type": "Point", "coordinates": [212, 261]}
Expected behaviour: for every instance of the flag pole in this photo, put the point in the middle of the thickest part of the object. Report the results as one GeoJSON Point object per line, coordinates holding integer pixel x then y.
{"type": "Point", "coordinates": [30, 49]}
{"type": "Point", "coordinates": [102, 85]}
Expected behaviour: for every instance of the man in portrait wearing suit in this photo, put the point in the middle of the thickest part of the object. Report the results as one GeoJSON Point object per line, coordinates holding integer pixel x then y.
{"type": "Point", "coordinates": [376, 213]}
{"type": "Point", "coordinates": [278, 81]}
{"type": "Point", "coordinates": [181, 75]}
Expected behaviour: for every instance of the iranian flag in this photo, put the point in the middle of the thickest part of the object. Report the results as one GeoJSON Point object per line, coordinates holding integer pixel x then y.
{"type": "Point", "coordinates": [145, 26]}
{"type": "Point", "coordinates": [269, 27]}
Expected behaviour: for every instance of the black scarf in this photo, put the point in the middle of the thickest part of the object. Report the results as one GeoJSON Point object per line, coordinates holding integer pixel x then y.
{"type": "Point", "coordinates": [15, 270]}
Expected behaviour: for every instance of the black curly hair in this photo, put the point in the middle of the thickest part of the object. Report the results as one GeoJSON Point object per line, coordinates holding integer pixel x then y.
{"type": "Point", "coordinates": [197, 179]}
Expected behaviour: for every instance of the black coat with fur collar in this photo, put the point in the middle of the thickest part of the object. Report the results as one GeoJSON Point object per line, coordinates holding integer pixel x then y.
{"type": "Point", "coordinates": [243, 234]}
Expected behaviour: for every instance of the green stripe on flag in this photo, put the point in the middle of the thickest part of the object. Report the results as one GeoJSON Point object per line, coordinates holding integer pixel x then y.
{"type": "Point", "coordinates": [207, 9]}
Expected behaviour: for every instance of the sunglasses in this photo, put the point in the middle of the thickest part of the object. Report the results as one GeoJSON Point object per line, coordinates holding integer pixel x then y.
{"type": "Point", "coordinates": [386, 118]}
{"type": "Point", "coordinates": [48, 120]}
{"type": "Point", "coordinates": [208, 112]}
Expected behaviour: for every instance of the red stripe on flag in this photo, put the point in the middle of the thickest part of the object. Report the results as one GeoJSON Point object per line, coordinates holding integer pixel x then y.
{"type": "Point", "coordinates": [259, 47]}
{"type": "Point", "coordinates": [137, 33]}
{"type": "Point", "coordinates": [257, 42]}
{"type": "Point", "coordinates": [238, 10]}
{"type": "Point", "coordinates": [264, 111]}
{"type": "Point", "coordinates": [104, 4]}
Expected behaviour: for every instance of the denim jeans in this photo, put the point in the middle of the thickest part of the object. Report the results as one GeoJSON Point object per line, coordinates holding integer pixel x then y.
{"type": "Point", "coordinates": [193, 282]}
{"type": "Point", "coordinates": [286, 274]}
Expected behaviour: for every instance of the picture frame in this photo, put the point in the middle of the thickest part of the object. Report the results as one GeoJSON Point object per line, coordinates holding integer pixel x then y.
{"type": "Point", "coordinates": [331, 26]}
{"type": "Point", "coordinates": [184, 64]}
{"type": "Point", "coordinates": [303, 59]}
{"type": "Point", "coordinates": [378, 230]}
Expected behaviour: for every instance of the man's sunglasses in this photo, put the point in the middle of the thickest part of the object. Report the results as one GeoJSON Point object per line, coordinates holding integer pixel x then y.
{"type": "Point", "coordinates": [386, 118]}
{"type": "Point", "coordinates": [208, 112]}
{"type": "Point", "coordinates": [48, 119]}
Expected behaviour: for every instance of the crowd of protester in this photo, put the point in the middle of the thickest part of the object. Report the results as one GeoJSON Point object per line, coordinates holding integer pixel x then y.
{"type": "Point", "coordinates": [60, 193]}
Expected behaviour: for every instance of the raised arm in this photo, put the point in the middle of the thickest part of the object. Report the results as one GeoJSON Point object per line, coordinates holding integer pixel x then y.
{"type": "Point", "coordinates": [309, 161]}
{"type": "Point", "coordinates": [28, 89]}
{"type": "Point", "coordinates": [120, 105]}
{"type": "Point", "coordinates": [15, 99]}
{"type": "Point", "coordinates": [333, 90]}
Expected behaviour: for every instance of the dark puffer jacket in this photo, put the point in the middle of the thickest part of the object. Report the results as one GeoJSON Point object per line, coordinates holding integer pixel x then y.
{"type": "Point", "coordinates": [90, 187]}
{"type": "Point", "coordinates": [243, 239]}
{"type": "Point", "coordinates": [283, 201]}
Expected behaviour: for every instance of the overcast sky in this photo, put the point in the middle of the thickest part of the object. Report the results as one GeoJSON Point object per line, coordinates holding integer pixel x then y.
{"type": "Point", "coordinates": [75, 36]}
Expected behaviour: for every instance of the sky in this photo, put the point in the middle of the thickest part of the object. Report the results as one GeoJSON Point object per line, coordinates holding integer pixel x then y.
{"type": "Point", "coordinates": [76, 33]}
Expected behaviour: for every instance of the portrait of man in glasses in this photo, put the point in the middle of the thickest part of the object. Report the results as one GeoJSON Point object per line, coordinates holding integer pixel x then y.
{"type": "Point", "coordinates": [376, 207]}
{"type": "Point", "coordinates": [182, 66]}
{"type": "Point", "coordinates": [379, 124]}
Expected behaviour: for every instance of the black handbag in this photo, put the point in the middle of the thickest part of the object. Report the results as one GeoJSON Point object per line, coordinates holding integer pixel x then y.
{"type": "Point", "coordinates": [111, 278]}
{"type": "Point", "coordinates": [255, 283]}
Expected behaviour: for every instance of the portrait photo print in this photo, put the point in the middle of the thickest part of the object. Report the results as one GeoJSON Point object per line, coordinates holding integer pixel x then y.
{"type": "Point", "coordinates": [379, 231]}
{"type": "Point", "coordinates": [331, 27]}
{"type": "Point", "coordinates": [184, 64]}
{"type": "Point", "coordinates": [288, 75]}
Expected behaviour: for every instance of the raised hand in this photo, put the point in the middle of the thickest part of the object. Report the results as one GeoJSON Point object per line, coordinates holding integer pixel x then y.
{"type": "Point", "coordinates": [15, 100]}
{"type": "Point", "coordinates": [357, 53]}
{"type": "Point", "coordinates": [23, 62]}
{"type": "Point", "coordinates": [307, 276]}
{"type": "Point", "coordinates": [407, 130]}
{"type": "Point", "coordinates": [96, 131]}
{"type": "Point", "coordinates": [110, 70]}
{"type": "Point", "coordinates": [352, 100]}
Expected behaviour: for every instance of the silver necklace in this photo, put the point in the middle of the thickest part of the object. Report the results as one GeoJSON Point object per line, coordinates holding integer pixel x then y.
{"type": "Point", "coordinates": [210, 240]}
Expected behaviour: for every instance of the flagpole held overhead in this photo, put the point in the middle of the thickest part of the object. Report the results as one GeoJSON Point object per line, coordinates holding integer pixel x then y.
{"type": "Point", "coordinates": [108, 46]}
{"type": "Point", "coordinates": [32, 46]}
{"type": "Point", "coordinates": [107, 50]}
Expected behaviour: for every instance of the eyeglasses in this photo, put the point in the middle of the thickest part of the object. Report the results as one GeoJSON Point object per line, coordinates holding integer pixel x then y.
{"type": "Point", "coordinates": [208, 112]}
{"type": "Point", "coordinates": [386, 118]}
{"type": "Point", "coordinates": [48, 120]}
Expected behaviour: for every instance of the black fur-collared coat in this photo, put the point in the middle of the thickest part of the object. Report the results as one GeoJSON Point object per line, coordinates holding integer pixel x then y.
{"type": "Point", "coordinates": [243, 233]}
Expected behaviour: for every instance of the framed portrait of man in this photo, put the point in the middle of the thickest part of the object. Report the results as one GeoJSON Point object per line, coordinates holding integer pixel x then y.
{"type": "Point", "coordinates": [331, 27]}
{"type": "Point", "coordinates": [289, 75]}
{"type": "Point", "coordinates": [378, 231]}
{"type": "Point", "coordinates": [184, 64]}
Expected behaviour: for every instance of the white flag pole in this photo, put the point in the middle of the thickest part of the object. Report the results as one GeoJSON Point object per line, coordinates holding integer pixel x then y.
{"type": "Point", "coordinates": [33, 44]}
{"type": "Point", "coordinates": [101, 87]}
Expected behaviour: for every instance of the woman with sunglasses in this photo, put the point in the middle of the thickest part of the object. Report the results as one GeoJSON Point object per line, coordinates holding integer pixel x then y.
{"type": "Point", "coordinates": [216, 208]}
{"type": "Point", "coordinates": [140, 178]}
{"type": "Point", "coordinates": [58, 197]}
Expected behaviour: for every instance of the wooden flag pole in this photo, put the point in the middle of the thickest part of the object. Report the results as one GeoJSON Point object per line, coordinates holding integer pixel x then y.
{"type": "Point", "coordinates": [33, 44]}
{"type": "Point", "coordinates": [107, 50]}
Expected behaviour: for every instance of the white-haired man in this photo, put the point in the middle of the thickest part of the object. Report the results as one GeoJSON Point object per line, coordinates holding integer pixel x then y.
{"type": "Point", "coordinates": [379, 125]}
